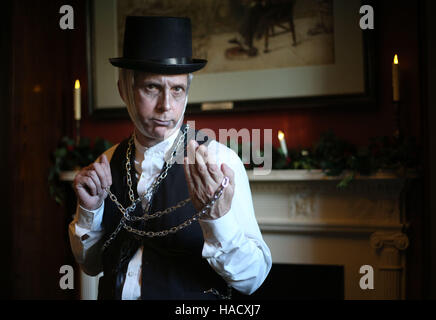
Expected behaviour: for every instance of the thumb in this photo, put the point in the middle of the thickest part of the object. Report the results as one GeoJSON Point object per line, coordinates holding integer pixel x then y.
{"type": "Point", "coordinates": [103, 159]}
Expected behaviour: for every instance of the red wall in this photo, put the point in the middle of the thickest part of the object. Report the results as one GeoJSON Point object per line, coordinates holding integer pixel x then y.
{"type": "Point", "coordinates": [396, 32]}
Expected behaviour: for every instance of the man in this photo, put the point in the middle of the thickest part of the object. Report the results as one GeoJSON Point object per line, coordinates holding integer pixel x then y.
{"type": "Point", "coordinates": [154, 236]}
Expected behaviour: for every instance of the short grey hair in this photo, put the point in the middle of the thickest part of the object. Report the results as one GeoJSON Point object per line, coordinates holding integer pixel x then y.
{"type": "Point", "coordinates": [190, 76]}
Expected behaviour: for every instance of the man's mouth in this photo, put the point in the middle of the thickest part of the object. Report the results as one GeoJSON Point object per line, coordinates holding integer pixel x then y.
{"type": "Point", "coordinates": [164, 123]}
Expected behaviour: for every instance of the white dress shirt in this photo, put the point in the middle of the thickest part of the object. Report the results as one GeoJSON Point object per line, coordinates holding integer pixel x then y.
{"type": "Point", "coordinates": [233, 244]}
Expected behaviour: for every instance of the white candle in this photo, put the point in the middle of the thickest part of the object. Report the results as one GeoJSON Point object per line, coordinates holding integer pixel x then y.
{"type": "Point", "coordinates": [282, 140]}
{"type": "Point", "coordinates": [77, 108]}
{"type": "Point", "coordinates": [396, 79]}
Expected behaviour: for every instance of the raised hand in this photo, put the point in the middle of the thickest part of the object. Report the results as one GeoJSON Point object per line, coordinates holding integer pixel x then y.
{"type": "Point", "coordinates": [90, 183]}
{"type": "Point", "coordinates": [204, 177]}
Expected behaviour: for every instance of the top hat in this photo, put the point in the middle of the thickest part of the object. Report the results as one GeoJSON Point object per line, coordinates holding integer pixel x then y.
{"type": "Point", "coordinates": [160, 45]}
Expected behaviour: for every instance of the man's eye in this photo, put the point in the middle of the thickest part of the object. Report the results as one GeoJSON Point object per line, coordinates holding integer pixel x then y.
{"type": "Point", "coordinates": [178, 89]}
{"type": "Point", "coordinates": [151, 87]}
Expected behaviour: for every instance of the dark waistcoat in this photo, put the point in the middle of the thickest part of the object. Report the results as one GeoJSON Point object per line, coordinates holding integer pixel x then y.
{"type": "Point", "coordinates": [172, 266]}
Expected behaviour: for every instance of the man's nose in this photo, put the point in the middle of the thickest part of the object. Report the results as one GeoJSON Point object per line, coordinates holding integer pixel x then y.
{"type": "Point", "coordinates": [165, 101]}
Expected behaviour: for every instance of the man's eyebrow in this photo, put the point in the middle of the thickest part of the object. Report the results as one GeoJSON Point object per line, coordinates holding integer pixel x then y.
{"type": "Point", "coordinates": [151, 81]}
{"type": "Point", "coordinates": [177, 84]}
{"type": "Point", "coordinates": [160, 84]}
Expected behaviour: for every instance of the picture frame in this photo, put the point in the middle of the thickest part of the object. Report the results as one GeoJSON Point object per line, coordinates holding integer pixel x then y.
{"type": "Point", "coordinates": [348, 83]}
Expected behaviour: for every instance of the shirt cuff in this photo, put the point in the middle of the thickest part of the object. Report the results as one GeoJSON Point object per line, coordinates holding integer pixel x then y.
{"type": "Point", "coordinates": [220, 231]}
{"type": "Point", "coordinates": [90, 219]}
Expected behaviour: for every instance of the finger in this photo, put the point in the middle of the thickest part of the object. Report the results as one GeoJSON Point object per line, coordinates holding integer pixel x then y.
{"type": "Point", "coordinates": [93, 176]}
{"type": "Point", "coordinates": [107, 167]}
{"type": "Point", "coordinates": [101, 174]}
{"type": "Point", "coordinates": [192, 146]}
{"type": "Point", "coordinates": [195, 175]}
{"type": "Point", "coordinates": [209, 156]}
{"type": "Point", "coordinates": [88, 184]}
{"type": "Point", "coordinates": [188, 176]}
{"type": "Point", "coordinates": [199, 159]}
{"type": "Point", "coordinates": [214, 172]}
{"type": "Point", "coordinates": [202, 170]}
{"type": "Point", "coordinates": [228, 172]}
{"type": "Point", "coordinates": [211, 165]}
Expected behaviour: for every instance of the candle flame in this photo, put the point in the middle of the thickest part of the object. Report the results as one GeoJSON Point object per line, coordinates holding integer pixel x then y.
{"type": "Point", "coordinates": [77, 84]}
{"type": "Point", "coordinates": [281, 135]}
{"type": "Point", "coordinates": [396, 59]}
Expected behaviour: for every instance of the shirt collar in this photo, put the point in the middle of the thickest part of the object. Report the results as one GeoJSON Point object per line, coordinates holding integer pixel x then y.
{"type": "Point", "coordinates": [158, 149]}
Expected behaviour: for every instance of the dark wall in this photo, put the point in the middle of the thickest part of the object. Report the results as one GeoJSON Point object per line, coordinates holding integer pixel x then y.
{"type": "Point", "coordinates": [430, 74]}
{"type": "Point", "coordinates": [41, 79]}
{"type": "Point", "coordinates": [5, 182]}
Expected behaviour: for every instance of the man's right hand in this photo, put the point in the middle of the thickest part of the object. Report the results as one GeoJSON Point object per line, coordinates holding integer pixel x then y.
{"type": "Point", "coordinates": [90, 183]}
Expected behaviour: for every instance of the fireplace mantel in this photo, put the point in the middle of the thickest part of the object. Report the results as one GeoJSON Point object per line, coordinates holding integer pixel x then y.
{"type": "Point", "coordinates": [306, 219]}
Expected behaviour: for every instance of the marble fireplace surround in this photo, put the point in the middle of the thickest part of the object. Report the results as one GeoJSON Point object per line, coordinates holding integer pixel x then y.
{"type": "Point", "coordinates": [306, 219]}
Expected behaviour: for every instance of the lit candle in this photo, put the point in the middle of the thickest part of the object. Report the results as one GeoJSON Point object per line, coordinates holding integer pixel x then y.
{"type": "Point", "coordinates": [282, 140]}
{"type": "Point", "coordinates": [396, 79]}
{"type": "Point", "coordinates": [77, 100]}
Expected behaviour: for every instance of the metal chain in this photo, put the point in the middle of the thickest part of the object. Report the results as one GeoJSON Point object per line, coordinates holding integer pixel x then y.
{"type": "Point", "coordinates": [219, 295]}
{"type": "Point", "coordinates": [148, 195]}
{"type": "Point", "coordinates": [206, 208]}
{"type": "Point", "coordinates": [152, 234]}
{"type": "Point", "coordinates": [113, 235]}
{"type": "Point", "coordinates": [158, 214]}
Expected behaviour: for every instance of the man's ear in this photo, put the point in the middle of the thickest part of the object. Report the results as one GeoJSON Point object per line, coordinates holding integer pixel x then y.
{"type": "Point", "coordinates": [121, 92]}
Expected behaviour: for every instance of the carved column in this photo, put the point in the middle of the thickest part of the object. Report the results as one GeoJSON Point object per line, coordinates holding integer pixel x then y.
{"type": "Point", "coordinates": [390, 270]}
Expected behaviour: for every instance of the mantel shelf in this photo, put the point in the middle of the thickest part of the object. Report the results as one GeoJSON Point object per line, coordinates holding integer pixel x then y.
{"type": "Point", "coordinates": [318, 175]}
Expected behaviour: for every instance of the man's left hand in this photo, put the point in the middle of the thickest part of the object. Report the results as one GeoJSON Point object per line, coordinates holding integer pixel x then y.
{"type": "Point", "coordinates": [203, 177]}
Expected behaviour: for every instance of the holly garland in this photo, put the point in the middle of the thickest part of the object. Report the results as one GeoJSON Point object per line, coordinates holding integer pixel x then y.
{"type": "Point", "coordinates": [334, 156]}
{"type": "Point", "coordinates": [68, 156]}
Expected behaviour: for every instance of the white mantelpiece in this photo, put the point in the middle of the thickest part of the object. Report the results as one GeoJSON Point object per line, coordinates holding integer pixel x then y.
{"type": "Point", "coordinates": [306, 219]}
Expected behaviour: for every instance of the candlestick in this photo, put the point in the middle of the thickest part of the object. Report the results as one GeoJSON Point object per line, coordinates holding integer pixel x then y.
{"type": "Point", "coordinates": [396, 79]}
{"type": "Point", "coordinates": [77, 107]}
{"type": "Point", "coordinates": [282, 140]}
{"type": "Point", "coordinates": [77, 110]}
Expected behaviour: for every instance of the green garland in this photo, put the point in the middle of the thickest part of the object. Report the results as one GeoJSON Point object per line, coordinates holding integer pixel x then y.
{"type": "Point", "coordinates": [68, 156]}
{"type": "Point", "coordinates": [335, 156]}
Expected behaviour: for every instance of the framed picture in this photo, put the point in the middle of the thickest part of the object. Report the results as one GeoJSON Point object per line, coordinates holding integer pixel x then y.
{"type": "Point", "coordinates": [262, 54]}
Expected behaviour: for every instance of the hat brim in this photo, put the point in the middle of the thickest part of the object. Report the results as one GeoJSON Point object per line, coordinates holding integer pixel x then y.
{"type": "Point", "coordinates": [156, 67]}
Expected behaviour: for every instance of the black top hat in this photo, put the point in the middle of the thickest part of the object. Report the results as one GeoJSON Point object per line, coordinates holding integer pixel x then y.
{"type": "Point", "coordinates": [158, 45]}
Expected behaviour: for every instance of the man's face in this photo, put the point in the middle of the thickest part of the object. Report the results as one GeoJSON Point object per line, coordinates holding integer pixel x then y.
{"type": "Point", "coordinates": [159, 100]}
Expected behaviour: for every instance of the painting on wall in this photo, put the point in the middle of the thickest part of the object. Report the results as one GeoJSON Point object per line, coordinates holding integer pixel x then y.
{"type": "Point", "coordinates": [248, 35]}
{"type": "Point", "coordinates": [257, 50]}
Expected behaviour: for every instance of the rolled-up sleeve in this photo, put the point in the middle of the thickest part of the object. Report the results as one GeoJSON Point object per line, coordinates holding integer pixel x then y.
{"type": "Point", "coordinates": [233, 243]}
